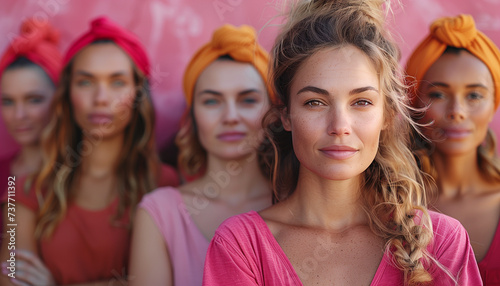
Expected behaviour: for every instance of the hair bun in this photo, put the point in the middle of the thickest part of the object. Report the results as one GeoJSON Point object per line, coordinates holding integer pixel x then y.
{"type": "Point", "coordinates": [457, 32]}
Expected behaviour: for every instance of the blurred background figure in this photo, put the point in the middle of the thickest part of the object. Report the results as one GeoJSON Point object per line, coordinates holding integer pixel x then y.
{"type": "Point", "coordinates": [29, 70]}
{"type": "Point", "coordinates": [100, 159]}
{"type": "Point", "coordinates": [225, 85]}
{"type": "Point", "coordinates": [455, 78]}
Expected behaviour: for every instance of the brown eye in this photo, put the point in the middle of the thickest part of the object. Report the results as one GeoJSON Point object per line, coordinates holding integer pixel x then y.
{"type": "Point", "coordinates": [313, 103]}
{"type": "Point", "coordinates": [363, 102]}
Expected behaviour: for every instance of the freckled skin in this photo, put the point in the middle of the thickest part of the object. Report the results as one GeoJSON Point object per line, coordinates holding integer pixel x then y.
{"type": "Point", "coordinates": [321, 226]}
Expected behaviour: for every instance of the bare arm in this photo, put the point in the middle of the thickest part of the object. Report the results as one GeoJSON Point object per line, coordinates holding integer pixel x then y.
{"type": "Point", "coordinates": [15, 238]}
{"type": "Point", "coordinates": [149, 258]}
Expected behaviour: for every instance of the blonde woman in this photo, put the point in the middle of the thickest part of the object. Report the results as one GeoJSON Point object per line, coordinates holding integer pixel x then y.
{"type": "Point", "coordinates": [350, 207]}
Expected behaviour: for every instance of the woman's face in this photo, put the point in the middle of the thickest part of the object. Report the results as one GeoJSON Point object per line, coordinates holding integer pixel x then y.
{"type": "Point", "coordinates": [230, 99]}
{"type": "Point", "coordinates": [26, 96]}
{"type": "Point", "coordinates": [458, 89]}
{"type": "Point", "coordinates": [336, 113]}
{"type": "Point", "coordinates": [102, 90]}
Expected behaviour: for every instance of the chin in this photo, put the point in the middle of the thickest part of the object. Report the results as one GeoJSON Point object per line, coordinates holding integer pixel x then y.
{"type": "Point", "coordinates": [456, 149]}
{"type": "Point", "coordinates": [26, 140]}
{"type": "Point", "coordinates": [236, 156]}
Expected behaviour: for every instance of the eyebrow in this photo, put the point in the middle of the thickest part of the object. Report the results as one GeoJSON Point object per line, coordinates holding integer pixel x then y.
{"type": "Point", "coordinates": [325, 92]}
{"type": "Point", "coordinates": [244, 92]}
{"type": "Point", "coordinates": [442, 84]}
{"type": "Point", "coordinates": [30, 94]}
{"type": "Point", "coordinates": [87, 74]}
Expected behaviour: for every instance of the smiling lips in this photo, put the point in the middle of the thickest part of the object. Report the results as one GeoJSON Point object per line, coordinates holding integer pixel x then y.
{"type": "Point", "coordinates": [456, 133]}
{"type": "Point", "coordinates": [339, 152]}
{"type": "Point", "coordinates": [231, 136]}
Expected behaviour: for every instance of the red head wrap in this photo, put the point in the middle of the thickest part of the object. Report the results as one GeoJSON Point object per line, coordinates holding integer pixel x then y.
{"type": "Point", "coordinates": [104, 29]}
{"type": "Point", "coordinates": [38, 43]}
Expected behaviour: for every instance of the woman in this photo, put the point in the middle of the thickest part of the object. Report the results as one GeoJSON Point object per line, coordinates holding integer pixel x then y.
{"type": "Point", "coordinates": [227, 96]}
{"type": "Point", "coordinates": [455, 73]}
{"type": "Point", "coordinates": [351, 207]}
{"type": "Point", "coordinates": [29, 70]}
{"type": "Point", "coordinates": [74, 224]}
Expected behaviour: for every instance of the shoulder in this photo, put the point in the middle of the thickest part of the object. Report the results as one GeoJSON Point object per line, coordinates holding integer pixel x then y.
{"type": "Point", "coordinates": [167, 176]}
{"type": "Point", "coordinates": [5, 170]}
{"type": "Point", "coordinates": [443, 225]}
{"type": "Point", "coordinates": [246, 227]}
{"type": "Point", "coordinates": [162, 197]}
{"type": "Point", "coordinates": [23, 192]}
{"type": "Point", "coordinates": [448, 235]}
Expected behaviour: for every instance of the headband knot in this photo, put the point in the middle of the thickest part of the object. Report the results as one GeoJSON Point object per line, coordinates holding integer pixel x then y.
{"type": "Point", "coordinates": [457, 32]}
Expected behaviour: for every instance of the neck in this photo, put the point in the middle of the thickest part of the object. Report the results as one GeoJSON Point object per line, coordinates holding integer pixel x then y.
{"type": "Point", "coordinates": [235, 180]}
{"type": "Point", "coordinates": [102, 159]}
{"type": "Point", "coordinates": [458, 174]}
{"type": "Point", "coordinates": [327, 204]}
{"type": "Point", "coordinates": [28, 161]}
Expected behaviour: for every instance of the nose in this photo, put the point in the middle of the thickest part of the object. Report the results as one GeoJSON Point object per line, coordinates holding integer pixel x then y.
{"type": "Point", "coordinates": [101, 95]}
{"type": "Point", "coordinates": [339, 122]}
{"type": "Point", "coordinates": [20, 112]}
{"type": "Point", "coordinates": [231, 113]}
{"type": "Point", "coordinates": [456, 111]}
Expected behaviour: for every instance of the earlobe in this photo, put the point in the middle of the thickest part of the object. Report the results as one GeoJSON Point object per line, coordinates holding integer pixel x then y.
{"type": "Point", "coordinates": [285, 119]}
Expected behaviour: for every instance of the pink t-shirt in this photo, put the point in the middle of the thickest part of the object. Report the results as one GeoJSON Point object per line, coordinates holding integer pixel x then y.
{"type": "Point", "coordinates": [186, 244]}
{"type": "Point", "coordinates": [490, 265]}
{"type": "Point", "coordinates": [244, 252]}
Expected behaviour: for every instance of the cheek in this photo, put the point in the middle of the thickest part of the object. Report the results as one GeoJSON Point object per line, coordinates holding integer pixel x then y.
{"type": "Point", "coordinates": [253, 117]}
{"type": "Point", "coordinates": [80, 103]}
{"type": "Point", "coordinates": [206, 123]}
{"type": "Point", "coordinates": [8, 114]}
{"type": "Point", "coordinates": [40, 113]}
{"type": "Point", "coordinates": [123, 105]}
{"type": "Point", "coordinates": [304, 133]}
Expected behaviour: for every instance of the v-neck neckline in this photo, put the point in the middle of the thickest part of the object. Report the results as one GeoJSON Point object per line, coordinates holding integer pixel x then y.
{"type": "Point", "coordinates": [281, 253]}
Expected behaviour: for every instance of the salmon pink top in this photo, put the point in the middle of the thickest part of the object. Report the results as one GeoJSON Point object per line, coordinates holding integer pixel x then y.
{"type": "Point", "coordinates": [88, 245]}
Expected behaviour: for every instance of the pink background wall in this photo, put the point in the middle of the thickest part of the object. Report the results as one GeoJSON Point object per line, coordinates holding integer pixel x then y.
{"type": "Point", "coordinates": [172, 30]}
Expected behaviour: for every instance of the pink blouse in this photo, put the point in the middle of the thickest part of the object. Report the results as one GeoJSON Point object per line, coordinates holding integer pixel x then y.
{"type": "Point", "coordinates": [244, 252]}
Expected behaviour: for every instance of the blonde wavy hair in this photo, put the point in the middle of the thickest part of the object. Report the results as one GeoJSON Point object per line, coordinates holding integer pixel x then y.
{"type": "Point", "coordinates": [393, 187]}
{"type": "Point", "coordinates": [136, 168]}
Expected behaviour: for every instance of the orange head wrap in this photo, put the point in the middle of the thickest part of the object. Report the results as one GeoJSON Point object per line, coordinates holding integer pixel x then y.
{"type": "Point", "coordinates": [239, 43]}
{"type": "Point", "coordinates": [458, 32]}
{"type": "Point", "coordinates": [38, 43]}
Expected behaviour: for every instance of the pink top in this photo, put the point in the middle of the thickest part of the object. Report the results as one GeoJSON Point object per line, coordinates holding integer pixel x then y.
{"type": "Point", "coordinates": [244, 252]}
{"type": "Point", "coordinates": [490, 265]}
{"type": "Point", "coordinates": [186, 244]}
